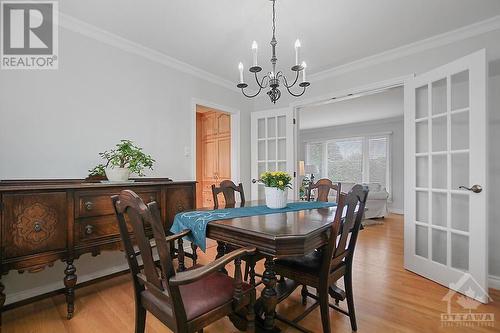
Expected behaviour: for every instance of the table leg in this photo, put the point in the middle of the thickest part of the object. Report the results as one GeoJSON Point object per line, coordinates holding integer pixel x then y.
{"type": "Point", "coordinates": [269, 295]}
{"type": "Point", "coordinates": [69, 283]}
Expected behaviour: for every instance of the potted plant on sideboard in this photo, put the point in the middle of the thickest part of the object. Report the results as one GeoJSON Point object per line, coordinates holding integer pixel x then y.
{"type": "Point", "coordinates": [276, 185]}
{"type": "Point", "coordinates": [121, 161]}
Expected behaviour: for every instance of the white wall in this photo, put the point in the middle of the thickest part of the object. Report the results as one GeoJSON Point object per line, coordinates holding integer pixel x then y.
{"type": "Point", "coordinates": [54, 123]}
{"type": "Point", "coordinates": [420, 63]}
{"type": "Point", "coordinates": [394, 125]}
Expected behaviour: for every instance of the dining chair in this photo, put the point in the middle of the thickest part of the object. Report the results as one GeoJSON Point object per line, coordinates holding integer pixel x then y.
{"type": "Point", "coordinates": [229, 189]}
{"type": "Point", "coordinates": [322, 269]}
{"type": "Point", "coordinates": [324, 185]}
{"type": "Point", "coordinates": [184, 301]}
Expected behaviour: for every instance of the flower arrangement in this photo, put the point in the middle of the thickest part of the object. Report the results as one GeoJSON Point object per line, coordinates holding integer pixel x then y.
{"type": "Point", "coordinates": [278, 179]}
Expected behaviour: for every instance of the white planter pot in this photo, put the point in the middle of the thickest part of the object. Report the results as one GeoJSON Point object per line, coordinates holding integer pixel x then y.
{"type": "Point", "coordinates": [276, 198]}
{"type": "Point", "coordinates": [117, 174]}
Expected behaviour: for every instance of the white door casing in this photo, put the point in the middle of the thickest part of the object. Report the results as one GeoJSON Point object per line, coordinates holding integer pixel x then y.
{"type": "Point", "coordinates": [445, 148]}
{"type": "Point", "coordinates": [272, 145]}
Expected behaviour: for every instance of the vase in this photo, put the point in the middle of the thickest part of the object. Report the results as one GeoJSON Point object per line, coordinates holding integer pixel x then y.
{"type": "Point", "coordinates": [276, 198]}
{"type": "Point", "coordinates": [117, 174]}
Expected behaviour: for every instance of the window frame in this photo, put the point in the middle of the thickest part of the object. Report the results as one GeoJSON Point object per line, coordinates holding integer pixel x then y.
{"type": "Point", "coordinates": [365, 174]}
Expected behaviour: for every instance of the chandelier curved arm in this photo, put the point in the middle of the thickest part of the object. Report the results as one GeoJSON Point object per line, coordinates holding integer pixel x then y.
{"type": "Point", "coordinates": [296, 95]}
{"type": "Point", "coordinates": [251, 96]}
{"type": "Point", "coordinates": [261, 83]}
{"type": "Point", "coordinates": [285, 81]}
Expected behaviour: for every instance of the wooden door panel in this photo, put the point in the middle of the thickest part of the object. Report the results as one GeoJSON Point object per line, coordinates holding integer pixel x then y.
{"type": "Point", "coordinates": [224, 158]}
{"type": "Point", "coordinates": [223, 124]}
{"type": "Point", "coordinates": [209, 160]}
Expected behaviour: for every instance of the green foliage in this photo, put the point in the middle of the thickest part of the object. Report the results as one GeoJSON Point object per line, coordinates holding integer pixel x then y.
{"type": "Point", "coordinates": [98, 170]}
{"type": "Point", "coordinates": [125, 155]}
{"type": "Point", "coordinates": [277, 179]}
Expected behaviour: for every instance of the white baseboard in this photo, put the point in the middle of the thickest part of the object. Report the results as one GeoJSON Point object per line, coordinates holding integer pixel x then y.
{"type": "Point", "coordinates": [494, 282]}
{"type": "Point", "coordinates": [396, 211]}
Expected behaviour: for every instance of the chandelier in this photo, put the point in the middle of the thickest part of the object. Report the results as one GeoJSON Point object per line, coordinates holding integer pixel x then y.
{"type": "Point", "coordinates": [273, 79]}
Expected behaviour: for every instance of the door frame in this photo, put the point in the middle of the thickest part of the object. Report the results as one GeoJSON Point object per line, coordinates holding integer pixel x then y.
{"type": "Point", "coordinates": [235, 135]}
{"type": "Point", "coordinates": [338, 94]}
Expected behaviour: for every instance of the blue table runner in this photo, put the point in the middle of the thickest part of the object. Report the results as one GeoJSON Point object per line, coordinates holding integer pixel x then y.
{"type": "Point", "coordinates": [197, 221]}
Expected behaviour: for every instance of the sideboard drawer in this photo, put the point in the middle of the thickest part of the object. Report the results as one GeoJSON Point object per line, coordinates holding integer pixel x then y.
{"type": "Point", "coordinates": [33, 223]}
{"type": "Point", "coordinates": [92, 228]}
{"type": "Point", "coordinates": [99, 204]}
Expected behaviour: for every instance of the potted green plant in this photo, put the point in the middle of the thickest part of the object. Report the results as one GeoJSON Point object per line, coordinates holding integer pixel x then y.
{"type": "Point", "coordinates": [276, 185]}
{"type": "Point", "coordinates": [121, 161]}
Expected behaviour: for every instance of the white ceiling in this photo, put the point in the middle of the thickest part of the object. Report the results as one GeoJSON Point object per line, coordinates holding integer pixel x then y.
{"type": "Point", "coordinates": [215, 35]}
{"type": "Point", "coordinates": [383, 105]}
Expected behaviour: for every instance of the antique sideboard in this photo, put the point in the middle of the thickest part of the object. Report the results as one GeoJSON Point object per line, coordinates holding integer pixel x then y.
{"type": "Point", "coordinates": [42, 221]}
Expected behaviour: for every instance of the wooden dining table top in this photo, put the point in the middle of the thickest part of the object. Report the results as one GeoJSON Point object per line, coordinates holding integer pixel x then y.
{"type": "Point", "coordinates": [281, 234]}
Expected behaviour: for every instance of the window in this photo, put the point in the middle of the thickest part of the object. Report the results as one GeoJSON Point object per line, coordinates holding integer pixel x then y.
{"type": "Point", "coordinates": [363, 159]}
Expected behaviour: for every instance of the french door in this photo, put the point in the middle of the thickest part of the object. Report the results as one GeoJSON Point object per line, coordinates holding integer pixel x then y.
{"type": "Point", "coordinates": [445, 175]}
{"type": "Point", "coordinates": [272, 146]}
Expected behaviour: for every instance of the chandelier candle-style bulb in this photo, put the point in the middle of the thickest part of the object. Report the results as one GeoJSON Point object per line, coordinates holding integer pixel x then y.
{"type": "Point", "coordinates": [297, 51]}
{"type": "Point", "coordinates": [304, 65]}
{"type": "Point", "coordinates": [240, 68]}
{"type": "Point", "coordinates": [254, 52]}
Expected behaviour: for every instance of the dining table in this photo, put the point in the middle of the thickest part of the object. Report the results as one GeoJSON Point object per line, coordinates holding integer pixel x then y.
{"type": "Point", "coordinates": [277, 235]}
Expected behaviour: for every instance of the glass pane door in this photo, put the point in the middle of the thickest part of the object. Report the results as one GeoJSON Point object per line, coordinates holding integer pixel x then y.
{"type": "Point", "coordinates": [445, 219]}
{"type": "Point", "coordinates": [271, 138]}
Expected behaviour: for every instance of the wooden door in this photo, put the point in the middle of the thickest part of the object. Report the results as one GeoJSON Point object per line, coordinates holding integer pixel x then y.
{"type": "Point", "coordinates": [216, 153]}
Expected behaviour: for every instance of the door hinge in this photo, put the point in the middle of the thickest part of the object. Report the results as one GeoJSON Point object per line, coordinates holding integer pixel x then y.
{"type": "Point", "coordinates": [294, 121]}
{"type": "Point", "coordinates": [294, 174]}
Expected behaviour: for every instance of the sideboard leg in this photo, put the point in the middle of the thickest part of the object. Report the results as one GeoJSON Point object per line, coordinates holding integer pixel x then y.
{"type": "Point", "coordinates": [2, 301]}
{"type": "Point", "coordinates": [69, 283]}
{"type": "Point", "coordinates": [269, 296]}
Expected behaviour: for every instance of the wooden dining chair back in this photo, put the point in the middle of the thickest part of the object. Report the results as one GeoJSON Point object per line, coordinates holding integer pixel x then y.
{"type": "Point", "coordinates": [228, 189]}
{"type": "Point", "coordinates": [185, 301]}
{"type": "Point", "coordinates": [322, 269]}
{"type": "Point", "coordinates": [324, 186]}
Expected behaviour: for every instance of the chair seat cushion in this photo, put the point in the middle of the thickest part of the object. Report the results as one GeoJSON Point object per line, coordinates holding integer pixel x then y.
{"type": "Point", "coordinates": [310, 263]}
{"type": "Point", "coordinates": [207, 294]}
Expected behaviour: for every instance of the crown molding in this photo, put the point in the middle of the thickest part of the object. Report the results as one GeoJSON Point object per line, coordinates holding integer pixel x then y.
{"type": "Point", "coordinates": [449, 37]}
{"type": "Point", "coordinates": [73, 24]}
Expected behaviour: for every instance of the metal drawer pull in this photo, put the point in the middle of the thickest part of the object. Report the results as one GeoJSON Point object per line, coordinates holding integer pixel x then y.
{"type": "Point", "coordinates": [37, 227]}
{"type": "Point", "coordinates": [88, 205]}
{"type": "Point", "coordinates": [89, 229]}
{"type": "Point", "coordinates": [475, 188]}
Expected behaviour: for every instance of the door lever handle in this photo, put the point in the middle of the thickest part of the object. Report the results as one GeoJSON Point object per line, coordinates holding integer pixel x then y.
{"type": "Point", "coordinates": [474, 188]}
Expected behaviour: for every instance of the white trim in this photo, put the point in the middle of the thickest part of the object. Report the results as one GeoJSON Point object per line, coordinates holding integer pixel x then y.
{"type": "Point", "coordinates": [494, 282]}
{"type": "Point", "coordinates": [235, 135]}
{"type": "Point", "coordinates": [73, 24]}
{"type": "Point", "coordinates": [379, 85]}
{"type": "Point", "coordinates": [436, 41]}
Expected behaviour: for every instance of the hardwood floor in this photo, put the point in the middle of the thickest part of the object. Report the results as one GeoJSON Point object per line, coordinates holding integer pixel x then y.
{"type": "Point", "coordinates": [387, 299]}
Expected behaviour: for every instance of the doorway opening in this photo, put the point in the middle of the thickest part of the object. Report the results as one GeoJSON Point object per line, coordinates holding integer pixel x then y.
{"type": "Point", "coordinates": [213, 152]}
